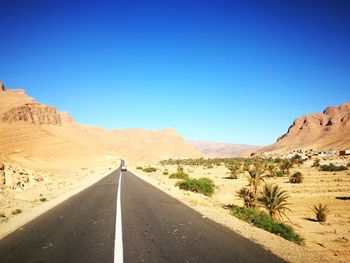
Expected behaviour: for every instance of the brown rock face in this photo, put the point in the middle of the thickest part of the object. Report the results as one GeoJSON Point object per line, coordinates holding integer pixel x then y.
{"type": "Point", "coordinates": [34, 113]}
{"type": "Point", "coordinates": [333, 120]}
{"type": "Point", "coordinates": [2, 86]}
{"type": "Point", "coordinates": [329, 129]}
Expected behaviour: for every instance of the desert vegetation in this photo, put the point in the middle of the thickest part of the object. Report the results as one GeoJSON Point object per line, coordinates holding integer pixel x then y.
{"type": "Point", "coordinates": [179, 175]}
{"type": "Point", "coordinates": [332, 168]}
{"type": "Point", "coordinates": [275, 194]}
{"type": "Point", "coordinates": [263, 220]}
{"type": "Point", "coordinates": [274, 200]}
{"type": "Point", "coordinates": [321, 212]}
{"type": "Point", "coordinates": [296, 178]}
{"type": "Point", "coordinates": [16, 211]}
{"type": "Point", "coordinates": [149, 169]}
{"type": "Point", "coordinates": [202, 185]}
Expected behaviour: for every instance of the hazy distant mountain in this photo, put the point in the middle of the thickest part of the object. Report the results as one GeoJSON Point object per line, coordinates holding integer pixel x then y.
{"type": "Point", "coordinates": [325, 130]}
{"type": "Point", "coordinates": [217, 149]}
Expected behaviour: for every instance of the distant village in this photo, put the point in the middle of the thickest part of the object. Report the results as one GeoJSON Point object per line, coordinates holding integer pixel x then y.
{"type": "Point", "coordinates": [308, 153]}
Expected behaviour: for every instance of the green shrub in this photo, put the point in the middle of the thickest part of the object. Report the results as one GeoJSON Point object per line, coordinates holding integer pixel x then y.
{"type": "Point", "coordinates": [296, 178]}
{"type": "Point", "coordinates": [139, 167]}
{"type": "Point", "coordinates": [321, 212]}
{"type": "Point", "coordinates": [2, 214]}
{"type": "Point", "coordinates": [165, 173]}
{"type": "Point", "coordinates": [332, 168]}
{"type": "Point", "coordinates": [179, 175]}
{"type": "Point", "coordinates": [149, 169]}
{"type": "Point", "coordinates": [16, 211]}
{"type": "Point", "coordinates": [202, 185]}
{"type": "Point", "coordinates": [279, 174]}
{"type": "Point", "coordinates": [263, 220]}
{"type": "Point", "coordinates": [43, 199]}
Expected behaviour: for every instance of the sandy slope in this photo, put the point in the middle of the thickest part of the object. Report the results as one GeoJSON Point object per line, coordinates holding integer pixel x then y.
{"type": "Point", "coordinates": [44, 154]}
{"type": "Point", "coordinates": [60, 142]}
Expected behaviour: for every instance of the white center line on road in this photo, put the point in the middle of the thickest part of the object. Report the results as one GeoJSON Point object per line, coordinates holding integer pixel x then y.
{"type": "Point", "coordinates": [118, 242]}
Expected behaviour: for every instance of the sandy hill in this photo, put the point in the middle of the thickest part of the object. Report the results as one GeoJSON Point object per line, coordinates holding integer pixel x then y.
{"type": "Point", "coordinates": [221, 150]}
{"type": "Point", "coordinates": [329, 129]}
{"type": "Point", "coordinates": [38, 136]}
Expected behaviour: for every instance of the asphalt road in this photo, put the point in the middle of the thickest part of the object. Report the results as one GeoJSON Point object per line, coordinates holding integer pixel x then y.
{"type": "Point", "coordinates": [155, 228]}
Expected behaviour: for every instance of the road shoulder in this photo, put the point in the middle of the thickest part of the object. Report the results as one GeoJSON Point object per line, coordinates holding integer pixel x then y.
{"type": "Point", "coordinates": [27, 216]}
{"type": "Point", "coordinates": [282, 248]}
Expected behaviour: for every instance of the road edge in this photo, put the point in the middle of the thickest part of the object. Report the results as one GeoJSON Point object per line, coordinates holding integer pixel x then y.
{"type": "Point", "coordinates": [27, 216]}
{"type": "Point", "coordinates": [288, 257]}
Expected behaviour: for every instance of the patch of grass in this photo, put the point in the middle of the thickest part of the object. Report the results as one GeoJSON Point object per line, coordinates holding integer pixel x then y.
{"type": "Point", "coordinates": [332, 168]}
{"type": "Point", "coordinates": [179, 175]}
{"type": "Point", "coordinates": [165, 173]}
{"type": "Point", "coordinates": [16, 211]}
{"type": "Point", "coordinates": [279, 174]}
{"type": "Point", "coordinates": [139, 167]}
{"type": "Point", "coordinates": [202, 185]}
{"type": "Point", "coordinates": [263, 220]}
{"type": "Point", "coordinates": [149, 169]}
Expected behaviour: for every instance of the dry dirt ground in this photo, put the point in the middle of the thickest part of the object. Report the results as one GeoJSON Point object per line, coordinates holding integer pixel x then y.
{"type": "Point", "coordinates": [327, 242]}
{"type": "Point", "coordinates": [33, 199]}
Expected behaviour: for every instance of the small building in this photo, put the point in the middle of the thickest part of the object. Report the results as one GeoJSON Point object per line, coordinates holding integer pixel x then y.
{"type": "Point", "coordinates": [344, 152]}
{"type": "Point", "coordinates": [327, 153]}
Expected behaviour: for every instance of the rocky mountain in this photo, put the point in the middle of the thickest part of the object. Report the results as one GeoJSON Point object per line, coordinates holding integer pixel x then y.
{"type": "Point", "coordinates": [329, 129]}
{"type": "Point", "coordinates": [38, 136]}
{"type": "Point", "coordinates": [220, 150]}
{"type": "Point", "coordinates": [34, 113]}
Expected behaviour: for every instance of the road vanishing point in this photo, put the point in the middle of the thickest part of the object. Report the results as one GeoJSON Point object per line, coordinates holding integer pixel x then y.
{"type": "Point", "coordinates": [121, 218]}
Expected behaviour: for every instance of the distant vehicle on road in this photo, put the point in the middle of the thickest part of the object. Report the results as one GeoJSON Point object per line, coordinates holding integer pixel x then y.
{"type": "Point", "coordinates": [123, 168]}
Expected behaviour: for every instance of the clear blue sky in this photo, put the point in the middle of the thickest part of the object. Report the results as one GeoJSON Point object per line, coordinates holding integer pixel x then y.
{"type": "Point", "coordinates": [230, 71]}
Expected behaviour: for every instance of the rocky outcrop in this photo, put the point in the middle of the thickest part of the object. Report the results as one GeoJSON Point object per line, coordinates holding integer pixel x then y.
{"type": "Point", "coordinates": [331, 120]}
{"type": "Point", "coordinates": [325, 130]}
{"type": "Point", "coordinates": [34, 113]}
{"type": "Point", "coordinates": [2, 86]}
{"type": "Point", "coordinates": [13, 177]}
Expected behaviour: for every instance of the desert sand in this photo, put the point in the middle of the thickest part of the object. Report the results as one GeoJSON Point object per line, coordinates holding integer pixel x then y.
{"type": "Point", "coordinates": [45, 155]}
{"type": "Point", "coordinates": [324, 242]}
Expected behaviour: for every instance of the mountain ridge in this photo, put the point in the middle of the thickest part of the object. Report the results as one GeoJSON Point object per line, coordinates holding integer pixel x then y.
{"type": "Point", "coordinates": [329, 129]}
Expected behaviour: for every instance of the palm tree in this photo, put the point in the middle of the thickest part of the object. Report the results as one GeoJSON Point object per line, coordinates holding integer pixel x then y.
{"type": "Point", "coordinates": [247, 196]}
{"type": "Point", "coordinates": [286, 165]}
{"type": "Point", "coordinates": [271, 170]}
{"type": "Point", "coordinates": [274, 199]}
{"type": "Point", "coordinates": [234, 170]}
{"type": "Point", "coordinates": [321, 212]}
{"type": "Point", "coordinates": [256, 177]}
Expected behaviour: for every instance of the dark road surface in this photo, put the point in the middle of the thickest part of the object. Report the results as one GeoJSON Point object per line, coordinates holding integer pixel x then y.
{"type": "Point", "coordinates": [155, 227]}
